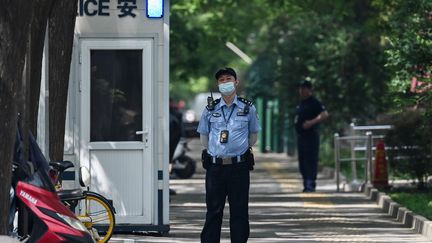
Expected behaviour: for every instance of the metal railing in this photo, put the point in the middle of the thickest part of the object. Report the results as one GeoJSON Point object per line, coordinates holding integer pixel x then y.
{"type": "Point", "coordinates": [367, 147]}
{"type": "Point", "coordinates": [355, 130]}
{"type": "Point", "coordinates": [367, 158]}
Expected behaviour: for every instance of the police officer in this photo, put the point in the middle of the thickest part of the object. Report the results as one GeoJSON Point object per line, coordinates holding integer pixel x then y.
{"type": "Point", "coordinates": [309, 114]}
{"type": "Point", "coordinates": [228, 128]}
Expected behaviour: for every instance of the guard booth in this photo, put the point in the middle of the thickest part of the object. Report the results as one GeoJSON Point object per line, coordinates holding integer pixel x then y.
{"type": "Point", "coordinates": [117, 120]}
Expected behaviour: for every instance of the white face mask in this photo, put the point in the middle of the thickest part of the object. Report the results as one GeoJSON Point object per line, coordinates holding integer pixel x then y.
{"type": "Point", "coordinates": [227, 88]}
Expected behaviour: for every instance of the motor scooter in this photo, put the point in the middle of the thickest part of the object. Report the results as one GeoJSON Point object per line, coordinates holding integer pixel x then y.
{"type": "Point", "coordinates": [183, 166]}
{"type": "Point", "coordinates": [52, 221]}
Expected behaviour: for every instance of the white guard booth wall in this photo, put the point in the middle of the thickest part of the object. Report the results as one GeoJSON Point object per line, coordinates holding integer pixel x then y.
{"type": "Point", "coordinates": [117, 120]}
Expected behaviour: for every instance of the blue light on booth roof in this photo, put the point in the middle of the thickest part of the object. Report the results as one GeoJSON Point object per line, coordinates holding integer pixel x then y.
{"type": "Point", "coordinates": [155, 8]}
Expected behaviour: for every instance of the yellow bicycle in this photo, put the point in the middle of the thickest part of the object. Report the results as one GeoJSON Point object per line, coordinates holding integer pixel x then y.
{"type": "Point", "coordinates": [95, 211]}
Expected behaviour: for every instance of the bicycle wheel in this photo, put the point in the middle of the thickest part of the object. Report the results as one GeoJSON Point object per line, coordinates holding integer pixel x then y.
{"type": "Point", "coordinates": [95, 211]}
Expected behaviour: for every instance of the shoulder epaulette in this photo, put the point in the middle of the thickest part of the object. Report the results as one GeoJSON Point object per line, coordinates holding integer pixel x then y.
{"type": "Point", "coordinates": [246, 101]}
{"type": "Point", "coordinates": [215, 102]}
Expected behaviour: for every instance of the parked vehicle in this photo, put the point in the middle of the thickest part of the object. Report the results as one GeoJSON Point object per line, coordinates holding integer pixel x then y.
{"type": "Point", "coordinates": [51, 220]}
{"type": "Point", "coordinates": [92, 209]}
{"type": "Point", "coordinates": [183, 166]}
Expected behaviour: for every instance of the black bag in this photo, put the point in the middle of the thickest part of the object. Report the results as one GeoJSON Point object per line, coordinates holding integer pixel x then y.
{"type": "Point", "coordinates": [250, 158]}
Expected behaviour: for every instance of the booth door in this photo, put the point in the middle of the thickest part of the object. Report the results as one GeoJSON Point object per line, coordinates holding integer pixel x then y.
{"type": "Point", "coordinates": [116, 124]}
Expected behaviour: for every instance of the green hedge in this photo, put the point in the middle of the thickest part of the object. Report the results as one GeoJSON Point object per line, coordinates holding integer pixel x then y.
{"type": "Point", "coordinates": [418, 202]}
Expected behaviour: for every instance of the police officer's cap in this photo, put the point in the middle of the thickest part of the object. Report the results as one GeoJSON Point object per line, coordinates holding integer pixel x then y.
{"type": "Point", "coordinates": [305, 84]}
{"type": "Point", "coordinates": [225, 71]}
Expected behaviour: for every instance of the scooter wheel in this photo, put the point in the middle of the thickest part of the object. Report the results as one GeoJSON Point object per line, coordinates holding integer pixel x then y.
{"type": "Point", "coordinates": [189, 169]}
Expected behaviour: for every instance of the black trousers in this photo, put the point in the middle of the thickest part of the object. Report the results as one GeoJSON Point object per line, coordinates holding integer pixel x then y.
{"type": "Point", "coordinates": [224, 181]}
{"type": "Point", "coordinates": [308, 155]}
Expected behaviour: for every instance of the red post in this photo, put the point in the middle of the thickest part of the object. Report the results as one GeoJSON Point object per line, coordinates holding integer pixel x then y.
{"type": "Point", "coordinates": [380, 176]}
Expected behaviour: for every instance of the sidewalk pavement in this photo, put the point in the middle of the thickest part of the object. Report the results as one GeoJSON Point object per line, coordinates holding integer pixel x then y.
{"type": "Point", "coordinates": [280, 212]}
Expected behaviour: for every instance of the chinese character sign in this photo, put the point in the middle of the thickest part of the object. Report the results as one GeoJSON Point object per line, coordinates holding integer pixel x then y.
{"type": "Point", "coordinates": [124, 8]}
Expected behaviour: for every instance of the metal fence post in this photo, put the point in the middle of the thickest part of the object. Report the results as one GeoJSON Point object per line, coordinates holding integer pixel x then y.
{"type": "Point", "coordinates": [337, 157]}
{"type": "Point", "coordinates": [353, 153]}
{"type": "Point", "coordinates": [369, 144]}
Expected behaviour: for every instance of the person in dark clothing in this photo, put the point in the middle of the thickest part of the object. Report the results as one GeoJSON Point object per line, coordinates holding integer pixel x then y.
{"type": "Point", "coordinates": [310, 113]}
{"type": "Point", "coordinates": [176, 132]}
{"type": "Point", "coordinates": [174, 139]}
{"type": "Point", "coordinates": [175, 127]}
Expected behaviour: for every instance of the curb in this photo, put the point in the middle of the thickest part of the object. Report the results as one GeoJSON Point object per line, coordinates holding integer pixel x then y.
{"type": "Point", "coordinates": [417, 223]}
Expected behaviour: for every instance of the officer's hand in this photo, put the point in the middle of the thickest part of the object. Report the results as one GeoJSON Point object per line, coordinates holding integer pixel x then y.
{"type": "Point", "coordinates": [308, 124]}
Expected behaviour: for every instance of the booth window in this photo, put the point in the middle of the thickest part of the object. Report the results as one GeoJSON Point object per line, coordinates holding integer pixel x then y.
{"type": "Point", "coordinates": [116, 95]}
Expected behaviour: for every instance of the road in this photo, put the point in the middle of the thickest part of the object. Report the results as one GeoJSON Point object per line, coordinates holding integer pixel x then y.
{"type": "Point", "coordinates": [279, 212]}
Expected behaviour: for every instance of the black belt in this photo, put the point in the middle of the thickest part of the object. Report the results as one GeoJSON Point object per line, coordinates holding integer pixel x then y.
{"type": "Point", "coordinates": [229, 160]}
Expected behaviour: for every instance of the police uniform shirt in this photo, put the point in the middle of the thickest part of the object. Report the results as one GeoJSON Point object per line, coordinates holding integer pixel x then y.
{"type": "Point", "coordinates": [308, 110]}
{"type": "Point", "coordinates": [239, 125]}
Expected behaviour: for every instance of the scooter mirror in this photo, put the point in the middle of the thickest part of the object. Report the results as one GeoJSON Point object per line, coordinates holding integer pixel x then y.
{"type": "Point", "coordinates": [84, 176]}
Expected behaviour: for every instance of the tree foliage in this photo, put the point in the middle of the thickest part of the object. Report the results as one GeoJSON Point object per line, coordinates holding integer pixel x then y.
{"type": "Point", "coordinates": [407, 25]}
{"type": "Point", "coordinates": [199, 32]}
{"type": "Point", "coordinates": [334, 44]}
{"type": "Point", "coordinates": [410, 139]}
{"type": "Point", "coordinates": [350, 50]}
{"type": "Point", "coordinates": [408, 28]}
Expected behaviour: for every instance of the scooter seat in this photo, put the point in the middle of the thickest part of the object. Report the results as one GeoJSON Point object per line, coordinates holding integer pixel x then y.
{"type": "Point", "coordinates": [61, 165]}
{"type": "Point", "coordinates": [73, 194]}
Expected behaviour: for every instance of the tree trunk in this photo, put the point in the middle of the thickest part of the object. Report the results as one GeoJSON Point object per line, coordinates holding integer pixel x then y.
{"type": "Point", "coordinates": [61, 32]}
{"type": "Point", "coordinates": [14, 25]}
{"type": "Point", "coordinates": [22, 30]}
{"type": "Point", "coordinates": [38, 29]}
{"type": "Point", "coordinates": [31, 80]}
